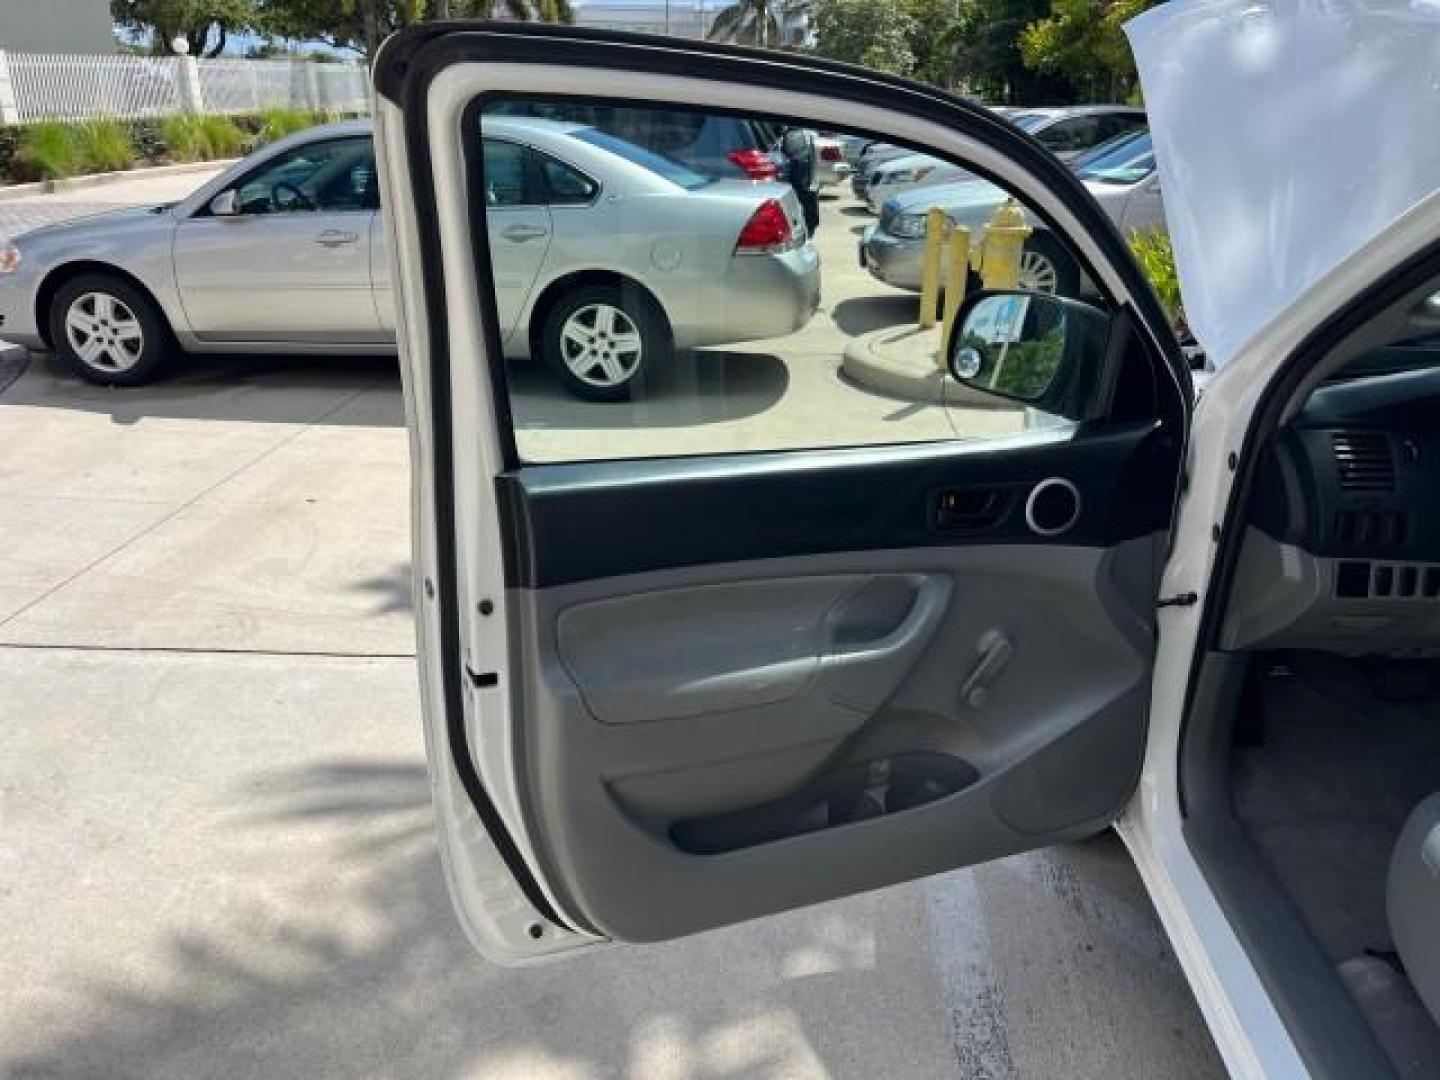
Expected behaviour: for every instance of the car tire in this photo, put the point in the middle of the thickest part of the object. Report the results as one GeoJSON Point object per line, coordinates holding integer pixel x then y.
{"type": "Point", "coordinates": [108, 331]}
{"type": "Point", "coordinates": [1045, 266]}
{"type": "Point", "coordinates": [604, 342]}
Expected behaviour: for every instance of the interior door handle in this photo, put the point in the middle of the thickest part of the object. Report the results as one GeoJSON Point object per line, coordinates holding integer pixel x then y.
{"type": "Point", "coordinates": [336, 238]}
{"type": "Point", "coordinates": [521, 233]}
{"type": "Point", "coordinates": [994, 650]}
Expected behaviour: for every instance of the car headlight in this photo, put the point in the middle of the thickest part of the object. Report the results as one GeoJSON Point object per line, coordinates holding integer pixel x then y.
{"type": "Point", "coordinates": [908, 226]}
{"type": "Point", "coordinates": [9, 258]}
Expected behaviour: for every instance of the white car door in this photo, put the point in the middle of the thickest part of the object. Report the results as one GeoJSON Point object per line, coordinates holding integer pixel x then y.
{"type": "Point", "coordinates": [292, 262]}
{"type": "Point", "coordinates": [668, 686]}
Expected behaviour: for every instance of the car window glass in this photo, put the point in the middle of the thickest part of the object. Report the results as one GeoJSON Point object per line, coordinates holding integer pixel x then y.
{"type": "Point", "coordinates": [505, 183]}
{"type": "Point", "coordinates": [663, 167]}
{"type": "Point", "coordinates": [563, 184]}
{"type": "Point", "coordinates": [680, 314]}
{"type": "Point", "coordinates": [1074, 133]}
{"type": "Point", "coordinates": [1125, 161]}
{"type": "Point", "coordinates": [326, 175]}
{"type": "Point", "coordinates": [1113, 124]}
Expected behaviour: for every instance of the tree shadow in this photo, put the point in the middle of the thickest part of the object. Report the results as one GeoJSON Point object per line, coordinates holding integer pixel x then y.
{"type": "Point", "coordinates": [372, 977]}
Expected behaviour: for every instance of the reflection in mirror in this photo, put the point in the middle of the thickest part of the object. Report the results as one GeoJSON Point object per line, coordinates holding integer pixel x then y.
{"type": "Point", "coordinates": [1018, 344]}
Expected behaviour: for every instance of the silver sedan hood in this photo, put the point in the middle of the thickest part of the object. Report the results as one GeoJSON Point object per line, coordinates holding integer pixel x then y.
{"type": "Point", "coordinates": [1287, 135]}
{"type": "Point", "coordinates": [104, 220]}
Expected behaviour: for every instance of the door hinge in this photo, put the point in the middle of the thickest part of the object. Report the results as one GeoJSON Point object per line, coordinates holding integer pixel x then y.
{"type": "Point", "coordinates": [481, 679]}
{"type": "Point", "coordinates": [1184, 599]}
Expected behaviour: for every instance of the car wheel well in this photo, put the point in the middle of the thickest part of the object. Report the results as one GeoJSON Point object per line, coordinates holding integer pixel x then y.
{"type": "Point", "coordinates": [584, 279]}
{"type": "Point", "coordinates": [45, 295]}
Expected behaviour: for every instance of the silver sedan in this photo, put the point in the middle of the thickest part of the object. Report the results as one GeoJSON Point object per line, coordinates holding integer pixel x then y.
{"type": "Point", "coordinates": [604, 259]}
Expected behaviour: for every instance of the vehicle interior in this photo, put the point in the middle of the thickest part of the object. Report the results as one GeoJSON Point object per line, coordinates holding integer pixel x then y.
{"type": "Point", "coordinates": [1311, 754]}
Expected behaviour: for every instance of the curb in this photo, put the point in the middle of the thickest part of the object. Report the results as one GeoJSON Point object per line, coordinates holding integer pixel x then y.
{"type": "Point", "coordinates": [79, 183]}
{"type": "Point", "coordinates": [14, 359]}
{"type": "Point", "coordinates": [899, 362]}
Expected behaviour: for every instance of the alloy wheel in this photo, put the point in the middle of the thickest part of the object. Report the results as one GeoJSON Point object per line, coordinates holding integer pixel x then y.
{"type": "Point", "coordinates": [104, 332]}
{"type": "Point", "coordinates": [601, 345]}
{"type": "Point", "coordinates": [1038, 273]}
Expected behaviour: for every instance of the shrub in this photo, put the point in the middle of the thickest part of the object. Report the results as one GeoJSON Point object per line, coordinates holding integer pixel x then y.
{"type": "Point", "coordinates": [104, 146]}
{"type": "Point", "coordinates": [1156, 257]}
{"type": "Point", "coordinates": [223, 138]}
{"type": "Point", "coordinates": [47, 151]}
{"type": "Point", "coordinates": [277, 123]}
{"type": "Point", "coordinates": [190, 137]}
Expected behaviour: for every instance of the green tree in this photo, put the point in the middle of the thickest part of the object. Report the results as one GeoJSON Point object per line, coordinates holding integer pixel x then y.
{"type": "Point", "coordinates": [360, 25]}
{"type": "Point", "coordinates": [756, 22]}
{"type": "Point", "coordinates": [204, 24]}
{"type": "Point", "coordinates": [931, 39]}
{"type": "Point", "coordinates": [1084, 41]}
{"type": "Point", "coordinates": [987, 58]}
{"type": "Point", "coordinates": [875, 33]}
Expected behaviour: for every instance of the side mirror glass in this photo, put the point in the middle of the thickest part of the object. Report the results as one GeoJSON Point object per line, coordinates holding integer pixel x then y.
{"type": "Point", "coordinates": [1029, 347]}
{"type": "Point", "coordinates": [226, 204]}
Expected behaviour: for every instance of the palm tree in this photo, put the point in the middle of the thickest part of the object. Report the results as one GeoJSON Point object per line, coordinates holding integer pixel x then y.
{"type": "Point", "coordinates": [549, 11]}
{"type": "Point", "coordinates": [755, 22]}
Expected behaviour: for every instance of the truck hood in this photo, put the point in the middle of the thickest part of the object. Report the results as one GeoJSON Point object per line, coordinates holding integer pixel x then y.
{"type": "Point", "coordinates": [1262, 204]}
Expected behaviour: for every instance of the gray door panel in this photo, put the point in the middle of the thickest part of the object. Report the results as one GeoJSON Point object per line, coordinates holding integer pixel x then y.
{"type": "Point", "coordinates": [662, 709]}
{"type": "Point", "coordinates": [823, 643]}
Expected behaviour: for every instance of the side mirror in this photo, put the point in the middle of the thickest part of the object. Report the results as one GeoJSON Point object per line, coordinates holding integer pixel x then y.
{"type": "Point", "coordinates": [226, 204]}
{"type": "Point", "coordinates": [1045, 351]}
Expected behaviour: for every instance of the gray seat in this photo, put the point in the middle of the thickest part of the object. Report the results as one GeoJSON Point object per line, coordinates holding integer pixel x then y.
{"type": "Point", "coordinates": [1412, 900]}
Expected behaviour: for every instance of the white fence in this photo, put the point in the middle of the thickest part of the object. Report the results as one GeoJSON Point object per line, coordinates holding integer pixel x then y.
{"type": "Point", "coordinates": [57, 86]}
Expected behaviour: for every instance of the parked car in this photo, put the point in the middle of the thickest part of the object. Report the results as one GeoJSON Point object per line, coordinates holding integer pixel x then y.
{"type": "Point", "coordinates": [285, 252]}
{"type": "Point", "coordinates": [1120, 175]}
{"type": "Point", "coordinates": [834, 168]}
{"type": "Point", "coordinates": [1065, 132]}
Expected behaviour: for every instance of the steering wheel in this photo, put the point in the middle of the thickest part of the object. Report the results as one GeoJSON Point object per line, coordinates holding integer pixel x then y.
{"type": "Point", "coordinates": [301, 200]}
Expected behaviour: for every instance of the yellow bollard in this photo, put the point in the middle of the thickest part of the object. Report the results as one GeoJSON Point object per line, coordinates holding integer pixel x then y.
{"type": "Point", "coordinates": [956, 272]}
{"type": "Point", "coordinates": [1005, 236]}
{"type": "Point", "coordinates": [930, 266]}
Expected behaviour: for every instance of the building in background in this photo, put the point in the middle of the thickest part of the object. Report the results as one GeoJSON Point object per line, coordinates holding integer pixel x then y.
{"type": "Point", "coordinates": [56, 26]}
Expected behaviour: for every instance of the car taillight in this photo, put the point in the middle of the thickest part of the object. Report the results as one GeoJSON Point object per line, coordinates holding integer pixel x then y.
{"type": "Point", "coordinates": [830, 153]}
{"type": "Point", "coordinates": [768, 230]}
{"type": "Point", "coordinates": [756, 164]}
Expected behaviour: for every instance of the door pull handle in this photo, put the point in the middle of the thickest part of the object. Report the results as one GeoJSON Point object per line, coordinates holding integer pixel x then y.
{"type": "Point", "coordinates": [995, 651]}
{"type": "Point", "coordinates": [336, 238]}
{"type": "Point", "coordinates": [521, 233]}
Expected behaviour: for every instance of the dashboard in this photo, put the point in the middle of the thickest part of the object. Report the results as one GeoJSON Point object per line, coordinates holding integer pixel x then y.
{"type": "Point", "coordinates": [1342, 543]}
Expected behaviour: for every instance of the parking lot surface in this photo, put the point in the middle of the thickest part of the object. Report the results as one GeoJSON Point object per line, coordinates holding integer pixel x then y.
{"type": "Point", "coordinates": [215, 833]}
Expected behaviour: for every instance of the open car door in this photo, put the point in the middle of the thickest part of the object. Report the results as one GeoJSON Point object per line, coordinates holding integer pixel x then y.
{"type": "Point", "coordinates": [756, 628]}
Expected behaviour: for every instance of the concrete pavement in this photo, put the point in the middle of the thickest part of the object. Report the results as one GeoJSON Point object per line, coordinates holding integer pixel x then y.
{"type": "Point", "coordinates": [215, 836]}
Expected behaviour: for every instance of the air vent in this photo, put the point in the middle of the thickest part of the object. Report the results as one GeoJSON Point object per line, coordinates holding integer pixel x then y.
{"type": "Point", "coordinates": [1363, 460]}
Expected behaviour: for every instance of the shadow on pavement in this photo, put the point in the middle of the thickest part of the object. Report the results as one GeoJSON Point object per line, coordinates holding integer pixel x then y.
{"type": "Point", "coordinates": [360, 969]}
{"type": "Point", "coordinates": [356, 390]}
{"type": "Point", "coordinates": [703, 387]}
{"type": "Point", "coordinates": [860, 315]}
{"type": "Point", "coordinates": [856, 211]}
{"type": "Point", "coordinates": [706, 386]}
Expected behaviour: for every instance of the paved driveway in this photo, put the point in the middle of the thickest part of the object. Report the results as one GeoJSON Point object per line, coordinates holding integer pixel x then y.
{"type": "Point", "coordinates": [215, 836]}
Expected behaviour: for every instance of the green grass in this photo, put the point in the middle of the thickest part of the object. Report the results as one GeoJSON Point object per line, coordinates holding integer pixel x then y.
{"type": "Point", "coordinates": [277, 123]}
{"type": "Point", "coordinates": [48, 151]}
{"type": "Point", "coordinates": [104, 146]}
{"type": "Point", "coordinates": [190, 137]}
